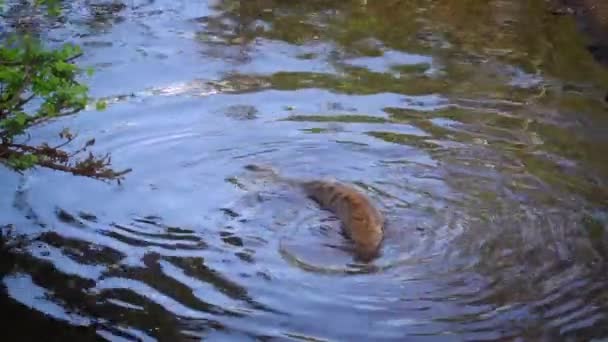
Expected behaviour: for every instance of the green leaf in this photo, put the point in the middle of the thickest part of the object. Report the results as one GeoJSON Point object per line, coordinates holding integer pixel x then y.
{"type": "Point", "coordinates": [23, 162]}
{"type": "Point", "coordinates": [101, 105]}
{"type": "Point", "coordinates": [15, 125]}
{"type": "Point", "coordinates": [21, 119]}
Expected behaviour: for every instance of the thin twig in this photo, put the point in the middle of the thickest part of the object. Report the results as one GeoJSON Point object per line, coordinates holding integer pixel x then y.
{"type": "Point", "coordinates": [10, 64]}
{"type": "Point", "coordinates": [33, 121]}
{"type": "Point", "coordinates": [22, 102]}
{"type": "Point", "coordinates": [91, 167]}
{"type": "Point", "coordinates": [25, 148]}
{"type": "Point", "coordinates": [69, 140]}
{"type": "Point", "coordinates": [71, 59]}
{"type": "Point", "coordinates": [38, 120]}
{"type": "Point", "coordinates": [104, 175]}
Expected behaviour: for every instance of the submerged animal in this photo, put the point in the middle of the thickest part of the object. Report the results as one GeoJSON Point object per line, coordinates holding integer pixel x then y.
{"type": "Point", "coordinates": [361, 222]}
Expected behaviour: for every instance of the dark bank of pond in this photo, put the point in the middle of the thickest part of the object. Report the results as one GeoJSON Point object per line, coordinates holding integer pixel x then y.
{"type": "Point", "coordinates": [479, 128]}
{"type": "Point", "coordinates": [592, 19]}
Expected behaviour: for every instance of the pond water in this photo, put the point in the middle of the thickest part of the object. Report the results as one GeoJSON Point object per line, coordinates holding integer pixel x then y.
{"type": "Point", "coordinates": [478, 127]}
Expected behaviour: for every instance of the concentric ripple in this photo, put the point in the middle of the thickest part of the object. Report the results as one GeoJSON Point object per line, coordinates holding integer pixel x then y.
{"type": "Point", "coordinates": [486, 157]}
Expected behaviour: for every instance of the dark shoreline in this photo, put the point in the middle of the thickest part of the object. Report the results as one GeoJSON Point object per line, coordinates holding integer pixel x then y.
{"type": "Point", "coordinates": [592, 20]}
{"type": "Point", "coordinates": [25, 324]}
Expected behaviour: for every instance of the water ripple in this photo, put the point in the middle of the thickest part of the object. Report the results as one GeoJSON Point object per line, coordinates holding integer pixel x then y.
{"type": "Point", "coordinates": [487, 165]}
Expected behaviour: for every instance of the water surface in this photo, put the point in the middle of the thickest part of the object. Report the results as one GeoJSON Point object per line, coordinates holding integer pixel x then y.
{"type": "Point", "coordinates": [477, 127]}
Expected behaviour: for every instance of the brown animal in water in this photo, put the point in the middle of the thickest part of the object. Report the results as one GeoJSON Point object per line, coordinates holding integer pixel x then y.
{"type": "Point", "coordinates": [361, 221]}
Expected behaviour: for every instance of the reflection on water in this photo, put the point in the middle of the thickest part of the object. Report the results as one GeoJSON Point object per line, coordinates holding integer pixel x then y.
{"type": "Point", "coordinates": [477, 127]}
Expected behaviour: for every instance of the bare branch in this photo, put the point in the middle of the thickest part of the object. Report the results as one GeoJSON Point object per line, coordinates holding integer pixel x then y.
{"type": "Point", "coordinates": [44, 151]}
{"type": "Point", "coordinates": [66, 142]}
{"type": "Point", "coordinates": [41, 119]}
{"type": "Point", "coordinates": [71, 59]}
{"type": "Point", "coordinates": [92, 166]}
{"type": "Point", "coordinates": [100, 174]}
{"type": "Point", "coordinates": [22, 102]}
{"type": "Point", "coordinates": [10, 64]}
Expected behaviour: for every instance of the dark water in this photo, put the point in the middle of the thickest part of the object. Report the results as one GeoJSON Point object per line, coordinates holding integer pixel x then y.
{"type": "Point", "coordinates": [478, 127]}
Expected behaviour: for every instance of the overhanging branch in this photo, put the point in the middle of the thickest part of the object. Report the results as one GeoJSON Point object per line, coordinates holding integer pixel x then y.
{"type": "Point", "coordinates": [96, 167]}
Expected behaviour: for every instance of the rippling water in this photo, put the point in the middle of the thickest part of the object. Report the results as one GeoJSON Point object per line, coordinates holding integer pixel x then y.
{"type": "Point", "coordinates": [479, 130]}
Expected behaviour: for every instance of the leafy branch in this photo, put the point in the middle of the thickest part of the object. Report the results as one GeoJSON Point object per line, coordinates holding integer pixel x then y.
{"type": "Point", "coordinates": [37, 85]}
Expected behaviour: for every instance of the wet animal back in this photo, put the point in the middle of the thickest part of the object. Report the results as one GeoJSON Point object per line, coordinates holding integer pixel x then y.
{"type": "Point", "coordinates": [361, 221]}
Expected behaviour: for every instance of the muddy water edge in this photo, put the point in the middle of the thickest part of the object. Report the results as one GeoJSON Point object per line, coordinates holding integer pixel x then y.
{"type": "Point", "coordinates": [592, 20]}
